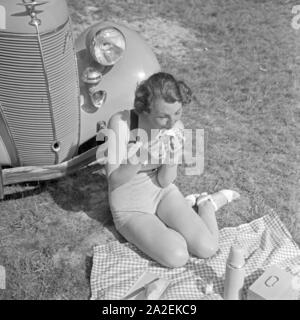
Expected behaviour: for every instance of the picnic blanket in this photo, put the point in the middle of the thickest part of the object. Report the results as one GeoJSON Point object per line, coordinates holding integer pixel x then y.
{"type": "Point", "coordinates": [117, 266]}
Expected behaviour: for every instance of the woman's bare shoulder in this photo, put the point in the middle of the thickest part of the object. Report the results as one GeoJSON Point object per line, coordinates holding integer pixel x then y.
{"type": "Point", "coordinates": [117, 118]}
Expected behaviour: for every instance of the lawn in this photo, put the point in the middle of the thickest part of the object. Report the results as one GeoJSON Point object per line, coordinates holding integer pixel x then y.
{"type": "Point", "coordinates": [240, 57]}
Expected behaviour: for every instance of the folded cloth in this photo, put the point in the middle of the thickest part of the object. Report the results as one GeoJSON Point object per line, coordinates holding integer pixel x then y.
{"type": "Point", "coordinates": [266, 241]}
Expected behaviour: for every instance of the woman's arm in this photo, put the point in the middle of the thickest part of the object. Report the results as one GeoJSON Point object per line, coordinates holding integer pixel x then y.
{"type": "Point", "coordinates": [123, 169]}
{"type": "Point", "coordinates": [167, 173]}
{"type": "Point", "coordinates": [123, 174]}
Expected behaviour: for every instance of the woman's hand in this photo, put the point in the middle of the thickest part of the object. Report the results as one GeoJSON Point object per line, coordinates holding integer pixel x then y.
{"type": "Point", "coordinates": [172, 141]}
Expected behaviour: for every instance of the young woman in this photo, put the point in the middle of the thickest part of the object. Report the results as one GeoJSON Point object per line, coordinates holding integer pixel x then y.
{"type": "Point", "coordinates": [147, 207]}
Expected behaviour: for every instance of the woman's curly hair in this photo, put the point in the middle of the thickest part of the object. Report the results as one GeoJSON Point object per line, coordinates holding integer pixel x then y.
{"type": "Point", "coordinates": [163, 86]}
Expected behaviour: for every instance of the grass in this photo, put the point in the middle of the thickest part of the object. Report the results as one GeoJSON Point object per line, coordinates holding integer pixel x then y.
{"type": "Point", "coordinates": [240, 59]}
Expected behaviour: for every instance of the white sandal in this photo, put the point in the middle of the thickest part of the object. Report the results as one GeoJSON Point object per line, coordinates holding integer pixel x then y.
{"type": "Point", "coordinates": [230, 195]}
{"type": "Point", "coordinates": [205, 198]}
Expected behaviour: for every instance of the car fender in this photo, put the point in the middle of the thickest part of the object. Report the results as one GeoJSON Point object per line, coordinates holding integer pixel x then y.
{"type": "Point", "coordinates": [137, 63]}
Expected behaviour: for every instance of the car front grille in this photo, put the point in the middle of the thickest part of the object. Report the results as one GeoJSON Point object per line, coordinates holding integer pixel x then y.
{"type": "Point", "coordinates": [39, 94]}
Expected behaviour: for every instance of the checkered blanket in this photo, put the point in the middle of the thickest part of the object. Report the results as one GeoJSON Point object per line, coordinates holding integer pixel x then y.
{"type": "Point", "coordinates": [117, 266]}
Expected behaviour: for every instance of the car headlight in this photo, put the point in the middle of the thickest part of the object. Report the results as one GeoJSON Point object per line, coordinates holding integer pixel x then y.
{"type": "Point", "coordinates": [106, 45]}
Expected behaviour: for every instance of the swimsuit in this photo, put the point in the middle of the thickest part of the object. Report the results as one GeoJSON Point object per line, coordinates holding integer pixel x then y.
{"type": "Point", "coordinates": [141, 194]}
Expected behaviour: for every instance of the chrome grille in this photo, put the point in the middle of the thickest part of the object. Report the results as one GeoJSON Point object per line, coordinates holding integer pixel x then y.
{"type": "Point", "coordinates": [27, 100]}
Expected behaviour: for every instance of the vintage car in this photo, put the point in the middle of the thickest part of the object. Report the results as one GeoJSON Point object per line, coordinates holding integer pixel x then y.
{"type": "Point", "coordinates": [56, 92]}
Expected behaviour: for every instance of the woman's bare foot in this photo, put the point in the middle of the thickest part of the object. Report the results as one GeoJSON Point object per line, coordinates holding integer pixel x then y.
{"type": "Point", "coordinates": [218, 199]}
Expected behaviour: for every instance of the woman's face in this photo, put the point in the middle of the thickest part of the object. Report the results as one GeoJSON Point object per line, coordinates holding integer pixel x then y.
{"type": "Point", "coordinates": [164, 115]}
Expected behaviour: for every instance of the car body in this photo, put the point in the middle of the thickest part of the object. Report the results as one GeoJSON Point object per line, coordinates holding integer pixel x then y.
{"type": "Point", "coordinates": [54, 93]}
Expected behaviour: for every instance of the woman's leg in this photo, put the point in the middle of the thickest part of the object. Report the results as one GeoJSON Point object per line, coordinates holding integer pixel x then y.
{"type": "Point", "coordinates": [155, 239]}
{"type": "Point", "coordinates": [206, 212]}
{"type": "Point", "coordinates": [207, 209]}
{"type": "Point", "coordinates": [201, 236]}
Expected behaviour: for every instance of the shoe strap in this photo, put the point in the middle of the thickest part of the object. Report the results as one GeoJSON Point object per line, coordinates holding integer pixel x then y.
{"type": "Point", "coordinates": [208, 197]}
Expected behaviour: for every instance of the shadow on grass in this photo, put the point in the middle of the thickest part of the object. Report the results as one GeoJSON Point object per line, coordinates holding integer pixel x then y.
{"type": "Point", "coordinates": [87, 192]}
{"type": "Point", "coordinates": [74, 209]}
{"type": "Point", "coordinates": [88, 271]}
{"type": "Point", "coordinates": [82, 191]}
{"type": "Point", "coordinates": [84, 196]}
